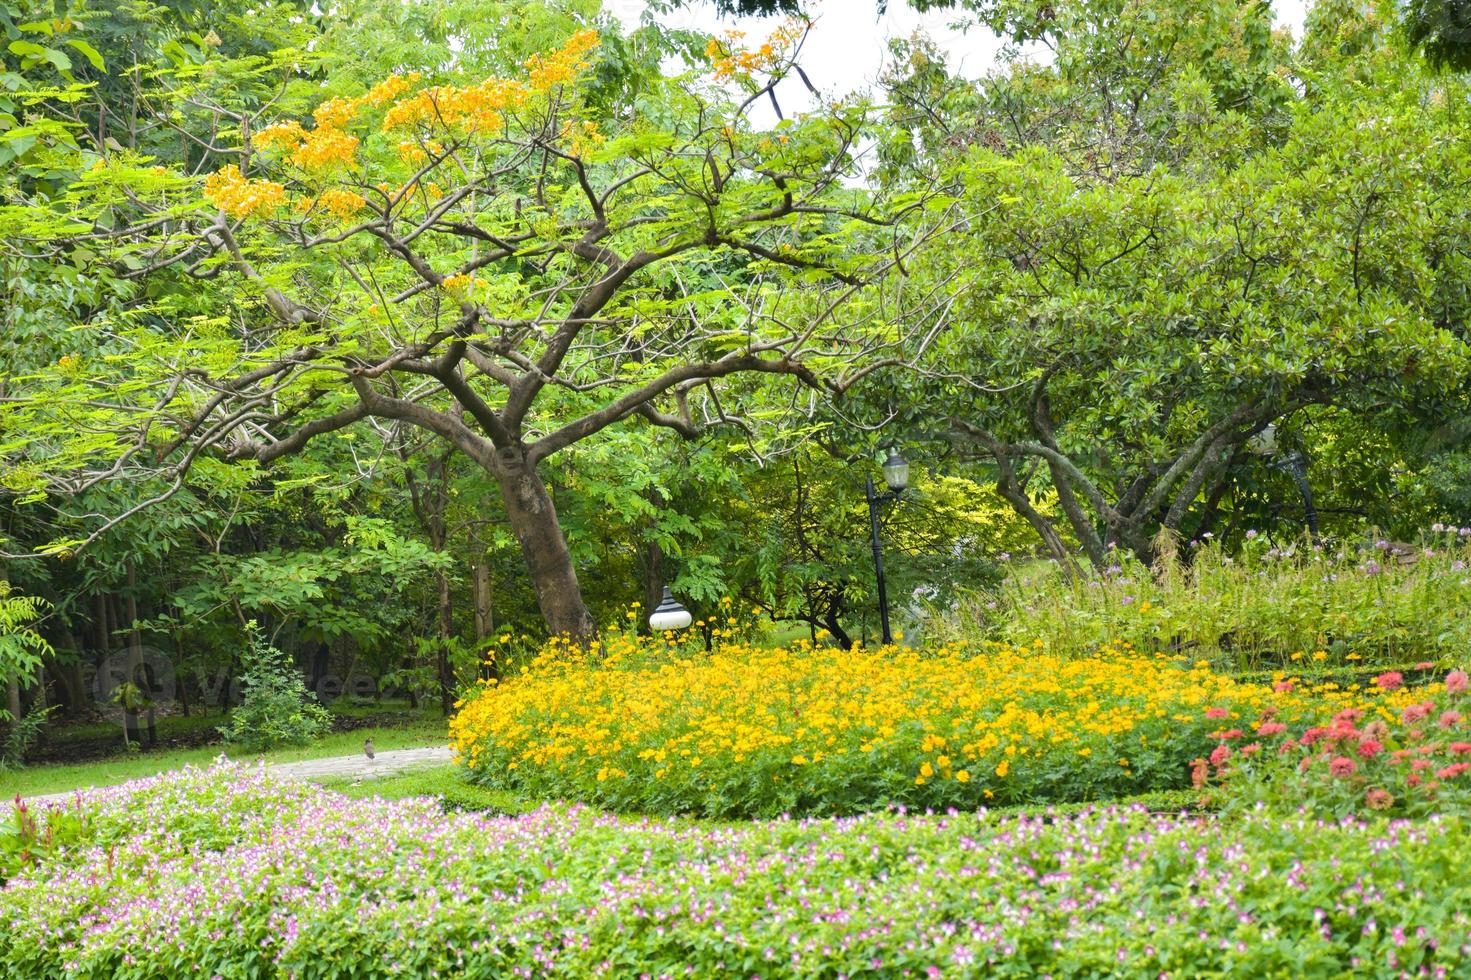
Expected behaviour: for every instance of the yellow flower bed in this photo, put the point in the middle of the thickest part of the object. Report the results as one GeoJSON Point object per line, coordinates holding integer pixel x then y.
{"type": "Point", "coordinates": [753, 731]}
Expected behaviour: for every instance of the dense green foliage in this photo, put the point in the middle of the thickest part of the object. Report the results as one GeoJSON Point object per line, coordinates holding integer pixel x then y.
{"type": "Point", "coordinates": [419, 335]}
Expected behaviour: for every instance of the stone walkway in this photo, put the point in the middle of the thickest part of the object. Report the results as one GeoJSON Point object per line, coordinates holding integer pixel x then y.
{"type": "Point", "coordinates": [388, 763]}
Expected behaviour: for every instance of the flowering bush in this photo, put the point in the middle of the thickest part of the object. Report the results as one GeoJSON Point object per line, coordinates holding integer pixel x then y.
{"type": "Point", "coordinates": [229, 873]}
{"type": "Point", "coordinates": [1415, 762]}
{"type": "Point", "coordinates": [757, 732]}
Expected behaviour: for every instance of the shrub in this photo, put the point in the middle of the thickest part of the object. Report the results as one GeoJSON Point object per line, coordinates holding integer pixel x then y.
{"type": "Point", "coordinates": [1416, 763]}
{"type": "Point", "coordinates": [230, 873]}
{"type": "Point", "coordinates": [277, 709]}
{"type": "Point", "coordinates": [758, 732]}
{"type": "Point", "coordinates": [1261, 607]}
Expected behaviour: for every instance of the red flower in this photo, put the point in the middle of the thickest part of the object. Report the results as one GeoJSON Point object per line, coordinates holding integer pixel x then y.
{"type": "Point", "coordinates": [1461, 748]}
{"type": "Point", "coordinates": [1198, 773]}
{"type": "Point", "coordinates": [1456, 681]}
{"type": "Point", "coordinates": [1452, 770]}
{"type": "Point", "coordinates": [1269, 728]}
{"type": "Point", "coordinates": [1220, 754]}
{"type": "Point", "coordinates": [1228, 735]}
{"type": "Point", "coordinates": [1369, 748]}
{"type": "Point", "coordinates": [1313, 735]}
{"type": "Point", "coordinates": [1251, 749]}
{"type": "Point", "coordinates": [1215, 713]}
{"type": "Point", "coordinates": [1343, 766]}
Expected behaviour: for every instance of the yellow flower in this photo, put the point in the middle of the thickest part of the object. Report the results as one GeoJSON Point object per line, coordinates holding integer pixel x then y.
{"type": "Point", "coordinates": [240, 197]}
{"type": "Point", "coordinates": [1003, 768]}
{"type": "Point", "coordinates": [962, 776]}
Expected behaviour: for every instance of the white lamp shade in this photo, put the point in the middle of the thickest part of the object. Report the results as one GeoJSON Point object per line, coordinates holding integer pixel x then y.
{"type": "Point", "coordinates": [896, 471]}
{"type": "Point", "coordinates": [1264, 443]}
{"type": "Point", "coordinates": [677, 619]}
{"type": "Point", "coordinates": [669, 614]}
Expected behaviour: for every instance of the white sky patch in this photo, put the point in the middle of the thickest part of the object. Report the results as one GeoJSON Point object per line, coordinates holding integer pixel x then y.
{"type": "Point", "coordinates": [847, 49]}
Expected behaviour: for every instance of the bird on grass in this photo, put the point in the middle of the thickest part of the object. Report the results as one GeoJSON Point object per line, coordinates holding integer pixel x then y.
{"type": "Point", "coordinates": [368, 748]}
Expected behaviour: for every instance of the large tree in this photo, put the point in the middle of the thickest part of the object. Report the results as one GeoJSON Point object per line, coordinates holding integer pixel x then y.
{"type": "Point", "coordinates": [511, 263]}
{"type": "Point", "coordinates": [1165, 253]}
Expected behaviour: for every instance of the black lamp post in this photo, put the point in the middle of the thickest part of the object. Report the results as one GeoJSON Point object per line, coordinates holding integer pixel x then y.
{"type": "Point", "coordinates": [896, 475]}
{"type": "Point", "coordinates": [1295, 465]}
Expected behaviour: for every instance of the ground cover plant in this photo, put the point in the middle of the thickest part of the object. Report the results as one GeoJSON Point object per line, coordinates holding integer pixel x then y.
{"type": "Point", "coordinates": [230, 873]}
{"type": "Point", "coordinates": [1289, 604]}
{"type": "Point", "coordinates": [750, 731]}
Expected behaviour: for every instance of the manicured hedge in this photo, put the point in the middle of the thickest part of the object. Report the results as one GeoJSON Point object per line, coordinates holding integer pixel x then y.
{"type": "Point", "coordinates": [228, 873]}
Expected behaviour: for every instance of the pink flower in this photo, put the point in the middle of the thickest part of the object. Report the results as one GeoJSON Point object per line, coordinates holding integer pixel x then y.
{"type": "Point", "coordinates": [1229, 735]}
{"type": "Point", "coordinates": [1376, 730]}
{"type": "Point", "coordinates": [1455, 681]}
{"type": "Point", "coordinates": [1390, 680]}
{"type": "Point", "coordinates": [1419, 765]}
{"type": "Point", "coordinates": [1461, 748]}
{"type": "Point", "coordinates": [1449, 719]}
{"type": "Point", "coordinates": [1379, 799]}
{"type": "Point", "coordinates": [1424, 665]}
{"type": "Point", "coordinates": [1215, 713]}
{"type": "Point", "coordinates": [1313, 735]}
{"type": "Point", "coordinates": [1251, 749]}
{"type": "Point", "coordinates": [1348, 717]}
{"type": "Point", "coordinates": [1220, 754]}
{"type": "Point", "coordinates": [1343, 766]}
{"type": "Point", "coordinates": [1269, 728]}
{"type": "Point", "coordinates": [1369, 748]}
{"type": "Point", "coordinates": [1416, 713]}
{"type": "Point", "coordinates": [1453, 770]}
{"type": "Point", "coordinates": [1282, 687]}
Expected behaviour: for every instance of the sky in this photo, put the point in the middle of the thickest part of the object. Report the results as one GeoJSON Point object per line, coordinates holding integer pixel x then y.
{"type": "Point", "coordinates": [846, 50]}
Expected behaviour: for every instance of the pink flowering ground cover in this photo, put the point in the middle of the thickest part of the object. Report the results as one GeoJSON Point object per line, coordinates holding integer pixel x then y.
{"type": "Point", "coordinates": [229, 873]}
{"type": "Point", "coordinates": [1417, 763]}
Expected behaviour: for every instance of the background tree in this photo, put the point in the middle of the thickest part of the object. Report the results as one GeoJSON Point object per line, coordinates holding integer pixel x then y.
{"type": "Point", "coordinates": [1160, 261]}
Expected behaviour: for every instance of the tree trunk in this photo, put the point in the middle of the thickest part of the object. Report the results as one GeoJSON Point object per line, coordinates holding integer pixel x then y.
{"type": "Point", "coordinates": [533, 520]}
{"type": "Point", "coordinates": [446, 637]}
{"type": "Point", "coordinates": [653, 569]}
{"type": "Point", "coordinates": [12, 699]}
{"type": "Point", "coordinates": [484, 613]}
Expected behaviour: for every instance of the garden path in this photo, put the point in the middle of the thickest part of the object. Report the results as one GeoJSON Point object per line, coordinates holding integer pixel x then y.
{"type": "Point", "coordinates": [391, 762]}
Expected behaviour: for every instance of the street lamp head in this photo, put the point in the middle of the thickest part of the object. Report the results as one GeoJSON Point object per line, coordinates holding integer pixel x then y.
{"type": "Point", "coordinates": [896, 471]}
{"type": "Point", "coordinates": [1264, 443]}
{"type": "Point", "coordinates": [669, 614]}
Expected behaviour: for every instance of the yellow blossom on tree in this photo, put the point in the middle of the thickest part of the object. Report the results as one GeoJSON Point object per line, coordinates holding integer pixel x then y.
{"type": "Point", "coordinates": [240, 197]}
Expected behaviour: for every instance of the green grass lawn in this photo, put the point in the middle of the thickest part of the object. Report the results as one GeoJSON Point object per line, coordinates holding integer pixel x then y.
{"type": "Point", "coordinates": [419, 730]}
{"type": "Point", "coordinates": [445, 782]}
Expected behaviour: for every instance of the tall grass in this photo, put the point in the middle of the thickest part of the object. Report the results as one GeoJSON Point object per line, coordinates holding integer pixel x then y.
{"type": "Point", "coordinates": [1295, 606]}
